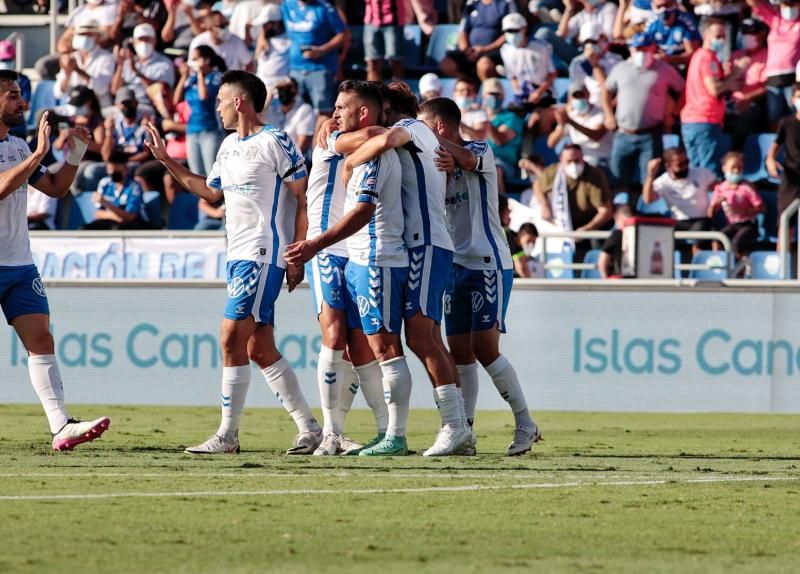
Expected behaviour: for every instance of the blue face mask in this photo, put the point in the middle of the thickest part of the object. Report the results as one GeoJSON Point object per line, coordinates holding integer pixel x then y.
{"type": "Point", "coordinates": [580, 105]}
{"type": "Point", "coordinates": [717, 44]}
{"type": "Point", "coordinates": [464, 103]}
{"type": "Point", "coordinates": [492, 102]}
{"type": "Point", "coordinates": [733, 177]}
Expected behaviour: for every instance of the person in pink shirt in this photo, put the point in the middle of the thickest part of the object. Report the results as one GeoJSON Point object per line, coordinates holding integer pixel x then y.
{"type": "Point", "coordinates": [740, 202]}
{"type": "Point", "coordinates": [747, 107]}
{"type": "Point", "coordinates": [383, 37]}
{"type": "Point", "coordinates": [706, 85]}
{"type": "Point", "coordinates": [784, 52]}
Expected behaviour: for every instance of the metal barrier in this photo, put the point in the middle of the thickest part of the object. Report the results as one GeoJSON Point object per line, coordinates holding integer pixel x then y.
{"type": "Point", "coordinates": [784, 243]}
{"type": "Point", "coordinates": [19, 46]}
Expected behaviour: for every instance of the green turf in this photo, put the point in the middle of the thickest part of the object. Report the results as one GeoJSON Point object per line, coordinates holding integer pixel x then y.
{"type": "Point", "coordinates": [569, 507]}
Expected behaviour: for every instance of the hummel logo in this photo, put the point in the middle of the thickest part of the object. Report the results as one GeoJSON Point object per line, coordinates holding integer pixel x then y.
{"type": "Point", "coordinates": [330, 377]}
{"type": "Point", "coordinates": [239, 309]}
{"type": "Point", "coordinates": [486, 318]}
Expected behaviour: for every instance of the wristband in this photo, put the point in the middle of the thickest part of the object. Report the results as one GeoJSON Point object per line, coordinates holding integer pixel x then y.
{"type": "Point", "coordinates": [75, 156]}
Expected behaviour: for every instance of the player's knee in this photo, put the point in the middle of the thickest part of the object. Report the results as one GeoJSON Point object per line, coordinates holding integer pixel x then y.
{"type": "Point", "coordinates": [42, 344]}
{"type": "Point", "coordinates": [334, 337]}
{"type": "Point", "coordinates": [486, 354]}
{"type": "Point", "coordinates": [420, 344]}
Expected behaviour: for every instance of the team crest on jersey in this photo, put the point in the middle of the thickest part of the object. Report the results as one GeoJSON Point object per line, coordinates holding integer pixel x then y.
{"type": "Point", "coordinates": [38, 287]}
{"type": "Point", "coordinates": [446, 304]}
{"type": "Point", "coordinates": [477, 301]}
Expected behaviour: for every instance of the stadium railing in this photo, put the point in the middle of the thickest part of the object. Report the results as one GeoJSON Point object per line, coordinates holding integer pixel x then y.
{"type": "Point", "coordinates": [784, 240]}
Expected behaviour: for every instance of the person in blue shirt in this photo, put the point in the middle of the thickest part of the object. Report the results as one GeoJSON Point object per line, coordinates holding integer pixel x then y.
{"type": "Point", "coordinates": [124, 130]}
{"type": "Point", "coordinates": [674, 31]}
{"type": "Point", "coordinates": [317, 32]}
{"type": "Point", "coordinates": [118, 197]}
{"type": "Point", "coordinates": [505, 132]}
{"type": "Point", "coordinates": [198, 86]}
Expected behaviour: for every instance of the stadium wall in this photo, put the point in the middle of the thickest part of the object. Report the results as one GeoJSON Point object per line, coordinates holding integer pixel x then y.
{"type": "Point", "coordinates": [577, 345]}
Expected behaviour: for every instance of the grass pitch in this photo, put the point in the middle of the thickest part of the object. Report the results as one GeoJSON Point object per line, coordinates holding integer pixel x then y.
{"type": "Point", "coordinates": [603, 493]}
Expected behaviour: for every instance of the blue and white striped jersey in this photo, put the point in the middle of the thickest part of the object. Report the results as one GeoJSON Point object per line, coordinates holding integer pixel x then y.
{"type": "Point", "coordinates": [326, 195]}
{"type": "Point", "coordinates": [259, 210]}
{"type": "Point", "coordinates": [380, 242]}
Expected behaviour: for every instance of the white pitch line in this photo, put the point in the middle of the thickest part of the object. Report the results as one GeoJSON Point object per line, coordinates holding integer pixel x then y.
{"type": "Point", "coordinates": [422, 490]}
{"type": "Point", "coordinates": [318, 473]}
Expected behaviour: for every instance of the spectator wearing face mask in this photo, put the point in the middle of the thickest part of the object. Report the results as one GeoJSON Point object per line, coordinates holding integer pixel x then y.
{"type": "Point", "coordinates": [525, 264]}
{"type": "Point", "coordinates": [706, 86]}
{"type": "Point", "coordinates": [118, 198]}
{"type": "Point", "coordinates": [272, 46]}
{"type": "Point", "coordinates": [293, 115]}
{"type": "Point", "coordinates": [87, 114]}
{"type": "Point", "coordinates": [674, 31]}
{"type": "Point", "coordinates": [747, 108]}
{"type": "Point", "coordinates": [430, 86]}
{"type": "Point", "coordinates": [576, 14]}
{"type": "Point", "coordinates": [142, 66]}
{"type": "Point", "coordinates": [103, 13]}
{"type": "Point", "coordinates": [505, 131]}
{"type": "Point", "coordinates": [88, 65]}
{"type": "Point", "coordinates": [644, 88]}
{"type": "Point", "coordinates": [201, 78]}
{"type": "Point", "coordinates": [230, 48]}
{"type": "Point", "coordinates": [783, 54]}
{"type": "Point", "coordinates": [124, 131]}
{"type": "Point", "coordinates": [584, 125]}
{"type": "Point", "coordinates": [474, 121]}
{"type": "Point", "coordinates": [592, 67]}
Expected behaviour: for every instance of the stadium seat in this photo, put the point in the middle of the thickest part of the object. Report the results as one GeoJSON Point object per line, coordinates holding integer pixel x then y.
{"type": "Point", "coordinates": [560, 88]}
{"type": "Point", "coordinates": [755, 151]}
{"type": "Point", "coordinates": [769, 220]}
{"type": "Point", "coordinates": [412, 47]}
{"type": "Point", "coordinates": [671, 140]}
{"type": "Point", "coordinates": [42, 99]}
{"type": "Point", "coordinates": [183, 212]}
{"type": "Point", "coordinates": [658, 207]}
{"type": "Point", "coordinates": [558, 271]}
{"type": "Point", "coordinates": [764, 265]}
{"type": "Point", "coordinates": [592, 256]}
{"type": "Point", "coordinates": [443, 39]}
{"type": "Point", "coordinates": [151, 209]}
{"type": "Point", "coordinates": [81, 210]}
{"type": "Point", "coordinates": [717, 262]}
{"type": "Point", "coordinates": [621, 198]}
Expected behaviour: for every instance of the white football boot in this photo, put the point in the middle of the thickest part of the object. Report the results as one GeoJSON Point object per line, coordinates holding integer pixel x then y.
{"type": "Point", "coordinates": [449, 440]}
{"type": "Point", "coordinates": [524, 437]}
{"type": "Point", "coordinates": [346, 445]}
{"type": "Point", "coordinates": [306, 442]}
{"type": "Point", "coordinates": [216, 445]}
{"type": "Point", "coordinates": [76, 432]}
{"type": "Point", "coordinates": [329, 446]}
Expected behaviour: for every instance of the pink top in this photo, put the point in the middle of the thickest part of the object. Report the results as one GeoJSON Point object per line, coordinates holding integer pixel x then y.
{"type": "Point", "coordinates": [755, 77]}
{"type": "Point", "coordinates": [701, 107]}
{"type": "Point", "coordinates": [384, 12]}
{"type": "Point", "coordinates": [783, 40]}
{"type": "Point", "coordinates": [739, 199]}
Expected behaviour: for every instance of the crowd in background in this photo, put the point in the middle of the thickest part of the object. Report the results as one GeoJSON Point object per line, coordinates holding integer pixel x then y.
{"type": "Point", "coordinates": [574, 97]}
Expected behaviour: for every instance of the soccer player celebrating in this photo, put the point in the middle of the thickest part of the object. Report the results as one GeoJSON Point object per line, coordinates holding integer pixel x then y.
{"type": "Point", "coordinates": [263, 179]}
{"type": "Point", "coordinates": [22, 295]}
{"type": "Point", "coordinates": [480, 283]}
{"type": "Point", "coordinates": [430, 250]}
{"type": "Point", "coordinates": [358, 106]}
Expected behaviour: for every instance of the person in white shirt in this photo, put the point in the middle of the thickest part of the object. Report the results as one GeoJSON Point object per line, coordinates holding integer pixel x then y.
{"type": "Point", "coordinates": [576, 14]}
{"type": "Point", "coordinates": [263, 179]}
{"type": "Point", "coordinates": [584, 124]}
{"type": "Point", "coordinates": [528, 64]}
{"type": "Point", "coordinates": [293, 115]}
{"type": "Point", "coordinates": [272, 46]}
{"type": "Point", "coordinates": [89, 65]}
{"type": "Point", "coordinates": [103, 13]}
{"type": "Point", "coordinates": [230, 47]}
{"type": "Point", "coordinates": [22, 295]}
{"type": "Point", "coordinates": [41, 210]}
{"type": "Point", "coordinates": [480, 286]}
{"type": "Point", "coordinates": [594, 64]}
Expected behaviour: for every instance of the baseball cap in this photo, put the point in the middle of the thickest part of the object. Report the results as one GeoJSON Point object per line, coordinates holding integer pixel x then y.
{"type": "Point", "coordinates": [576, 88]}
{"type": "Point", "coordinates": [753, 26]}
{"type": "Point", "coordinates": [7, 50]}
{"type": "Point", "coordinates": [90, 27]}
{"type": "Point", "coordinates": [125, 94]}
{"type": "Point", "coordinates": [79, 95]}
{"type": "Point", "coordinates": [492, 86]}
{"type": "Point", "coordinates": [144, 31]}
{"type": "Point", "coordinates": [430, 83]}
{"type": "Point", "coordinates": [514, 21]}
{"type": "Point", "coordinates": [641, 40]}
{"type": "Point", "coordinates": [268, 13]}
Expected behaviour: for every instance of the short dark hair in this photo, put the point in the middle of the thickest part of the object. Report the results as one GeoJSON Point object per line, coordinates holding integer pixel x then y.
{"type": "Point", "coordinates": [467, 80]}
{"type": "Point", "coordinates": [572, 147]}
{"type": "Point", "coordinates": [8, 76]}
{"type": "Point", "coordinates": [401, 98]}
{"type": "Point", "coordinates": [250, 84]}
{"type": "Point", "coordinates": [369, 92]}
{"type": "Point", "coordinates": [672, 153]}
{"type": "Point", "coordinates": [443, 109]}
{"type": "Point", "coordinates": [528, 228]}
{"type": "Point", "coordinates": [207, 53]}
{"type": "Point", "coordinates": [118, 157]}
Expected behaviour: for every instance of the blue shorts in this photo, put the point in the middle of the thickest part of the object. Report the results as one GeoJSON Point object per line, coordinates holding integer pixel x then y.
{"type": "Point", "coordinates": [253, 288]}
{"type": "Point", "coordinates": [477, 300]}
{"type": "Point", "coordinates": [379, 293]}
{"type": "Point", "coordinates": [428, 276]}
{"type": "Point", "coordinates": [382, 42]}
{"type": "Point", "coordinates": [318, 86]}
{"type": "Point", "coordinates": [22, 292]}
{"type": "Point", "coordinates": [325, 274]}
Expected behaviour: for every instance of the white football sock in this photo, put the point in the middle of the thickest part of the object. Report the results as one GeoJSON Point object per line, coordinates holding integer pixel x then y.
{"type": "Point", "coordinates": [235, 382]}
{"type": "Point", "coordinates": [46, 382]}
{"type": "Point", "coordinates": [348, 389]}
{"type": "Point", "coordinates": [329, 372]}
{"type": "Point", "coordinates": [461, 411]}
{"type": "Point", "coordinates": [447, 399]}
{"type": "Point", "coordinates": [505, 380]}
{"type": "Point", "coordinates": [283, 382]}
{"type": "Point", "coordinates": [397, 391]}
{"type": "Point", "coordinates": [469, 388]}
{"type": "Point", "coordinates": [370, 377]}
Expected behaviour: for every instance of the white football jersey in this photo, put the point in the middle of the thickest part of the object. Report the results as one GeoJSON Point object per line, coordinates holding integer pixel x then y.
{"type": "Point", "coordinates": [259, 209]}
{"type": "Point", "coordinates": [15, 246]}
{"type": "Point", "coordinates": [380, 242]}
{"type": "Point", "coordinates": [424, 188]}
{"type": "Point", "coordinates": [326, 195]}
{"type": "Point", "coordinates": [473, 217]}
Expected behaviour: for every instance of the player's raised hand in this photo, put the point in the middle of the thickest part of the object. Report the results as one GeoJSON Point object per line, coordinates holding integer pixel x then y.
{"type": "Point", "coordinates": [294, 276]}
{"type": "Point", "coordinates": [325, 131]}
{"type": "Point", "coordinates": [77, 142]}
{"type": "Point", "coordinates": [156, 144]}
{"type": "Point", "coordinates": [444, 160]}
{"type": "Point", "coordinates": [43, 136]}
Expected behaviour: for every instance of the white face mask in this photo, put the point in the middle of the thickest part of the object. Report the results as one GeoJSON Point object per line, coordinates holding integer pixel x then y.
{"type": "Point", "coordinates": [513, 38]}
{"type": "Point", "coordinates": [144, 49]}
{"type": "Point", "coordinates": [790, 12]}
{"type": "Point", "coordinates": [7, 65]}
{"type": "Point", "coordinates": [193, 64]}
{"type": "Point", "coordinates": [527, 249]}
{"type": "Point", "coordinates": [85, 43]}
{"type": "Point", "coordinates": [574, 169]}
{"type": "Point", "coordinates": [222, 35]}
{"type": "Point", "coordinates": [94, 2]}
{"type": "Point", "coordinates": [796, 103]}
{"type": "Point", "coordinates": [750, 42]}
{"type": "Point", "coordinates": [642, 59]}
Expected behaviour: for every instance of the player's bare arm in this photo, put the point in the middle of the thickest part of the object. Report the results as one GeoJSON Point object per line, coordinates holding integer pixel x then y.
{"type": "Point", "coordinates": [57, 184]}
{"type": "Point", "coordinates": [295, 272]}
{"type": "Point", "coordinates": [463, 157]}
{"type": "Point", "coordinates": [372, 148]}
{"type": "Point", "coordinates": [300, 252]}
{"type": "Point", "coordinates": [14, 178]}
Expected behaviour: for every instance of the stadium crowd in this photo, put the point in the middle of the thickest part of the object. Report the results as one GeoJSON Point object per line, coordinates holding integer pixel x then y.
{"type": "Point", "coordinates": [689, 109]}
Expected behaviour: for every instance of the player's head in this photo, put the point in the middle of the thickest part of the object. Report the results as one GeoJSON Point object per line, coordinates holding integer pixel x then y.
{"type": "Point", "coordinates": [358, 105]}
{"type": "Point", "coordinates": [117, 166]}
{"type": "Point", "coordinates": [241, 93]}
{"type": "Point", "coordinates": [443, 116]}
{"type": "Point", "coordinates": [12, 106]}
{"type": "Point", "coordinates": [399, 102]}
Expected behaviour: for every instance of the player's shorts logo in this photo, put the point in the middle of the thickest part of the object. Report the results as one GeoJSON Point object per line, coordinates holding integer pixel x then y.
{"type": "Point", "coordinates": [363, 305]}
{"type": "Point", "coordinates": [235, 287]}
{"type": "Point", "coordinates": [38, 287]}
{"type": "Point", "coordinates": [477, 301]}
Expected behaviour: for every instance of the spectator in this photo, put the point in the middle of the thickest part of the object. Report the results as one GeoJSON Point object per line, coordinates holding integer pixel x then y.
{"type": "Point", "coordinates": [200, 81]}
{"type": "Point", "coordinates": [124, 131]}
{"type": "Point", "coordinates": [142, 67]}
{"type": "Point", "coordinates": [675, 32]}
{"type": "Point", "coordinates": [104, 15]}
{"type": "Point", "coordinates": [783, 53]}
{"type": "Point", "coordinates": [316, 31]}
{"type": "Point", "coordinates": [249, 14]}
{"type": "Point", "coordinates": [528, 64]}
{"type": "Point", "coordinates": [584, 125]}
{"type": "Point", "coordinates": [231, 48]}
{"type": "Point", "coordinates": [577, 13]}
{"type": "Point", "coordinates": [294, 116]}
{"type": "Point", "coordinates": [425, 14]}
{"type": "Point", "coordinates": [118, 197]}
{"type": "Point", "coordinates": [505, 131]}
{"type": "Point", "coordinates": [212, 215]}
{"type": "Point", "coordinates": [609, 264]}
{"type": "Point", "coordinates": [185, 20]}
{"type": "Point", "coordinates": [643, 86]}
{"type": "Point", "coordinates": [747, 109]}
{"type": "Point", "coordinates": [383, 37]}
{"type": "Point", "coordinates": [480, 37]}
{"type": "Point", "coordinates": [505, 220]}
{"type": "Point", "coordinates": [729, 12]}
{"type": "Point", "coordinates": [592, 67]}
{"type": "Point", "coordinates": [88, 65]}
{"type": "Point", "coordinates": [272, 46]}
{"type": "Point", "coordinates": [787, 138]}
{"type": "Point", "coordinates": [632, 17]}
{"type": "Point", "coordinates": [474, 121]}
{"type": "Point", "coordinates": [41, 210]}
{"type": "Point", "coordinates": [684, 189]}
{"type": "Point", "coordinates": [740, 202]}
{"type": "Point", "coordinates": [525, 263]}
{"type": "Point", "coordinates": [8, 61]}
{"type": "Point", "coordinates": [574, 196]}
{"type": "Point", "coordinates": [86, 113]}
{"type": "Point", "coordinates": [430, 86]}
{"type": "Point", "coordinates": [706, 85]}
